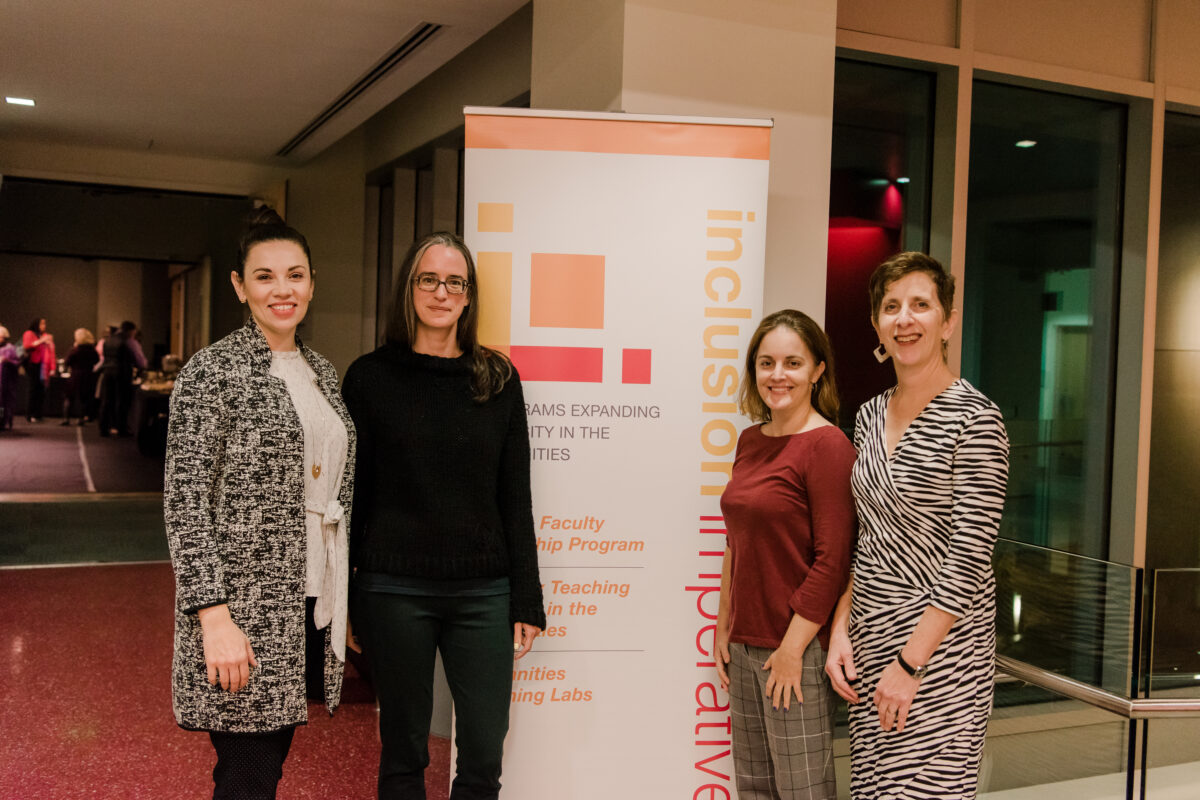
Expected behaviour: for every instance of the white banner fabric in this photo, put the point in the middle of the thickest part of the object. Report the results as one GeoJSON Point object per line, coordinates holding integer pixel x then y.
{"type": "Point", "coordinates": [621, 266]}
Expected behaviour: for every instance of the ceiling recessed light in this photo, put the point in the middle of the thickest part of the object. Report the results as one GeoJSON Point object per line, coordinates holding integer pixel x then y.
{"type": "Point", "coordinates": [1026, 143]}
{"type": "Point", "coordinates": [901, 180]}
{"type": "Point", "coordinates": [19, 101]}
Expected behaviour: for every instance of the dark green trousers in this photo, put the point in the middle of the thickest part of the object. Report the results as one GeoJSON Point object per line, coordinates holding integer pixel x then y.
{"type": "Point", "coordinates": [400, 634]}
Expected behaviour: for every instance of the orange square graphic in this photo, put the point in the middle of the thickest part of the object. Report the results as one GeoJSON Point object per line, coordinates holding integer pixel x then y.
{"type": "Point", "coordinates": [566, 291]}
{"type": "Point", "coordinates": [495, 217]}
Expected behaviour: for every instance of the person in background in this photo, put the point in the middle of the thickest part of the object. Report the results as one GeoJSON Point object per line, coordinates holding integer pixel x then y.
{"type": "Point", "coordinates": [443, 541]}
{"type": "Point", "coordinates": [916, 627]}
{"type": "Point", "coordinates": [134, 340]}
{"type": "Point", "coordinates": [122, 359]}
{"type": "Point", "coordinates": [259, 476]}
{"type": "Point", "coordinates": [40, 365]}
{"type": "Point", "coordinates": [81, 385]}
{"type": "Point", "coordinates": [10, 366]}
{"type": "Point", "coordinates": [112, 329]}
{"type": "Point", "coordinates": [791, 526]}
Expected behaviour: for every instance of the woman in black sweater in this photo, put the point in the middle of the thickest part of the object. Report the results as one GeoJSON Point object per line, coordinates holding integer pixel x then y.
{"type": "Point", "coordinates": [442, 538]}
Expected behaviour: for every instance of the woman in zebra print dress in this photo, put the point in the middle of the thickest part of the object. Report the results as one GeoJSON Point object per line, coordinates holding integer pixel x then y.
{"type": "Point", "coordinates": [913, 641]}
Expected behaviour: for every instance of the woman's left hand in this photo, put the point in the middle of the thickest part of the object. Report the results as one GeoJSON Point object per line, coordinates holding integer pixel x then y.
{"type": "Point", "coordinates": [787, 667]}
{"type": "Point", "coordinates": [894, 695]}
{"type": "Point", "coordinates": [523, 636]}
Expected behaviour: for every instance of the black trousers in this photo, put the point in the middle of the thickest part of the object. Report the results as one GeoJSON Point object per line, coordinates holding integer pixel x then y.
{"type": "Point", "coordinates": [400, 635]}
{"type": "Point", "coordinates": [250, 765]}
{"type": "Point", "coordinates": [116, 397]}
{"type": "Point", "coordinates": [35, 408]}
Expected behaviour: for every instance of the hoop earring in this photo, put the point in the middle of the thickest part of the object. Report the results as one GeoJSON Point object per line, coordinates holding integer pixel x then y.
{"type": "Point", "coordinates": [880, 353]}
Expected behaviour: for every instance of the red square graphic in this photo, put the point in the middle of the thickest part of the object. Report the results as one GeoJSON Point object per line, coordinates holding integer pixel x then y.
{"type": "Point", "coordinates": [635, 366]}
{"type": "Point", "coordinates": [568, 364]}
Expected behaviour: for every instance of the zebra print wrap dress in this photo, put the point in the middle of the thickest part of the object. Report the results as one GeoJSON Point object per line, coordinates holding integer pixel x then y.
{"type": "Point", "coordinates": [928, 517]}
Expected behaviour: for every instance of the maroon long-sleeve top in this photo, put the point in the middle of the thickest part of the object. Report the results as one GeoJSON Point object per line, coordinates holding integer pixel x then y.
{"type": "Point", "coordinates": [791, 527]}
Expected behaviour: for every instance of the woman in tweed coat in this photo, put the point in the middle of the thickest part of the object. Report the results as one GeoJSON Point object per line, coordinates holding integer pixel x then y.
{"type": "Point", "coordinates": [240, 512]}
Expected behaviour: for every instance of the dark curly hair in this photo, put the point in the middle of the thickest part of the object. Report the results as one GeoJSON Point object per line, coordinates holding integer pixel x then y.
{"type": "Point", "coordinates": [265, 225]}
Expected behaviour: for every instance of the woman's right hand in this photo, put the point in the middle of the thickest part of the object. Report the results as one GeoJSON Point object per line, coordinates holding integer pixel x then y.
{"type": "Point", "coordinates": [227, 652]}
{"type": "Point", "coordinates": [839, 664]}
{"type": "Point", "coordinates": [721, 653]}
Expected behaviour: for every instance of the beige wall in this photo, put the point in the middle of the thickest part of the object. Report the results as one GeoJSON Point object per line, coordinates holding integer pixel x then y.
{"type": "Point", "coordinates": [1133, 40]}
{"type": "Point", "coordinates": [719, 58]}
{"type": "Point", "coordinates": [1177, 32]}
{"type": "Point", "coordinates": [118, 294]}
{"type": "Point", "coordinates": [63, 162]}
{"type": "Point", "coordinates": [325, 202]}
{"type": "Point", "coordinates": [929, 21]}
{"type": "Point", "coordinates": [1174, 504]}
{"type": "Point", "coordinates": [576, 61]}
{"type": "Point", "coordinates": [1107, 37]}
{"type": "Point", "coordinates": [492, 71]}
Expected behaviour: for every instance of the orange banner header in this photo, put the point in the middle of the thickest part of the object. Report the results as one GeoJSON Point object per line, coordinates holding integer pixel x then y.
{"type": "Point", "coordinates": [617, 136]}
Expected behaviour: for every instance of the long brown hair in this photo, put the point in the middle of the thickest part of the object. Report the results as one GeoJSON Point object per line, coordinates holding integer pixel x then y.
{"type": "Point", "coordinates": [824, 391]}
{"type": "Point", "coordinates": [490, 369]}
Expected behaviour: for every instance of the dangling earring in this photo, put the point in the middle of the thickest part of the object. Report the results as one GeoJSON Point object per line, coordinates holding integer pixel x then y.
{"type": "Point", "coordinates": [880, 353]}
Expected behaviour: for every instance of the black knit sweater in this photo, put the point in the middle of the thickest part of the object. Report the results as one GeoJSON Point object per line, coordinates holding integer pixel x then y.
{"type": "Point", "coordinates": [442, 482]}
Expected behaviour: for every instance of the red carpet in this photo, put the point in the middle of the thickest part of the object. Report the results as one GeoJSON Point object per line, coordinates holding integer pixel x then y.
{"type": "Point", "coordinates": [85, 655]}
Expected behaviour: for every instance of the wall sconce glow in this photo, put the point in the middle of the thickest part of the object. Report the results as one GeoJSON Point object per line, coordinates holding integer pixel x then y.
{"type": "Point", "coordinates": [1025, 144]}
{"type": "Point", "coordinates": [19, 101]}
{"type": "Point", "coordinates": [901, 180]}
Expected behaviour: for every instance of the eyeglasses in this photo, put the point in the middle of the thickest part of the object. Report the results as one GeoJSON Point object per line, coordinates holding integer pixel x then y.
{"type": "Point", "coordinates": [429, 282]}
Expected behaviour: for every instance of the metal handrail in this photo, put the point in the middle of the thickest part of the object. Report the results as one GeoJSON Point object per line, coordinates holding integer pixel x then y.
{"type": "Point", "coordinates": [1140, 708]}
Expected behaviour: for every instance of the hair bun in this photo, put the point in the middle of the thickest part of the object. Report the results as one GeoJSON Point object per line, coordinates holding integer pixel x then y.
{"type": "Point", "coordinates": [263, 215]}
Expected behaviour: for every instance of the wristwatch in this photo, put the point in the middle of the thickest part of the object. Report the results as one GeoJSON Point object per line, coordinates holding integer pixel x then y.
{"type": "Point", "coordinates": [916, 672]}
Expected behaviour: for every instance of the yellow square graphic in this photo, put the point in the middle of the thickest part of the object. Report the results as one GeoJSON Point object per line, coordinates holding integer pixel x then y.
{"type": "Point", "coordinates": [493, 271]}
{"type": "Point", "coordinates": [566, 291]}
{"type": "Point", "coordinates": [495, 217]}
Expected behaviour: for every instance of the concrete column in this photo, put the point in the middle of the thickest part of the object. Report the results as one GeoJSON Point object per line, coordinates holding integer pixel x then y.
{"type": "Point", "coordinates": [445, 189]}
{"type": "Point", "coordinates": [721, 58]}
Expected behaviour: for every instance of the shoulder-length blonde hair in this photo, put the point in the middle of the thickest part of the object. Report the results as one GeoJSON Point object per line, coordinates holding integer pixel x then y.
{"type": "Point", "coordinates": [824, 391]}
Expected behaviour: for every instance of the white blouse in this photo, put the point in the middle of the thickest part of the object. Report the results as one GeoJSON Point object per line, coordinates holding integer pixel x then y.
{"type": "Point", "coordinates": [324, 461]}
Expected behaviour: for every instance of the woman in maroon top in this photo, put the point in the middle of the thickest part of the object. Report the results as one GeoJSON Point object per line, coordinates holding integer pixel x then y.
{"type": "Point", "coordinates": [791, 523]}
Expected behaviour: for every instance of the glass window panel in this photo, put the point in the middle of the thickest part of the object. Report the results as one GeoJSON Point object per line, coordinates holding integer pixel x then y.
{"type": "Point", "coordinates": [878, 206]}
{"type": "Point", "coordinates": [1173, 744]}
{"type": "Point", "coordinates": [1039, 313]}
{"type": "Point", "coordinates": [1174, 503]}
{"type": "Point", "coordinates": [1046, 746]}
{"type": "Point", "coordinates": [1068, 614]}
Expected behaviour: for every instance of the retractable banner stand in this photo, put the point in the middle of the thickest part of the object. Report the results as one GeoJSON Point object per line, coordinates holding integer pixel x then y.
{"type": "Point", "coordinates": [620, 262]}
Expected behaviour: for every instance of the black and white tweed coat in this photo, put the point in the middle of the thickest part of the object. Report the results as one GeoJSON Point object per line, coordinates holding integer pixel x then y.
{"type": "Point", "coordinates": [234, 509]}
